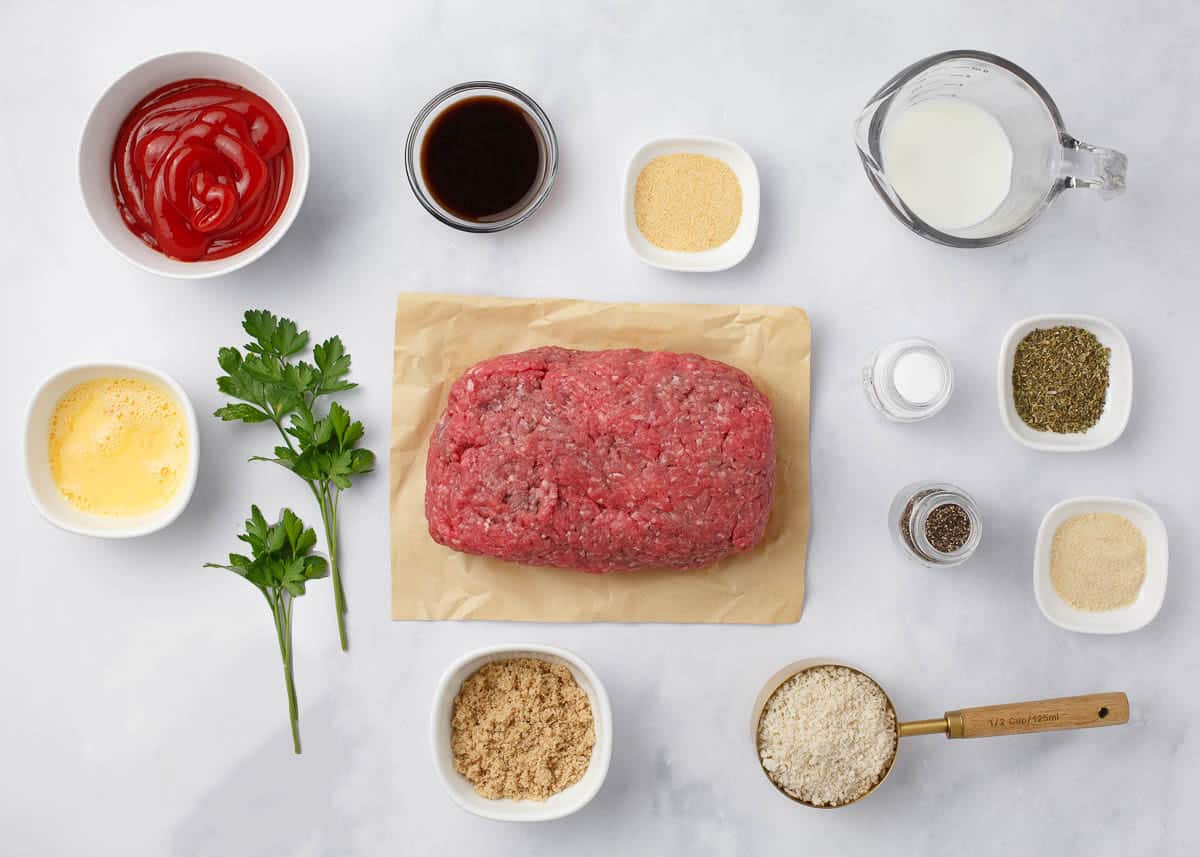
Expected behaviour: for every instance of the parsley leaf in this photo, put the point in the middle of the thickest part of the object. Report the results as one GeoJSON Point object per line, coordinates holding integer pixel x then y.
{"type": "Point", "coordinates": [270, 386]}
{"type": "Point", "coordinates": [333, 364]}
{"type": "Point", "coordinates": [241, 413]}
{"type": "Point", "coordinates": [281, 566]}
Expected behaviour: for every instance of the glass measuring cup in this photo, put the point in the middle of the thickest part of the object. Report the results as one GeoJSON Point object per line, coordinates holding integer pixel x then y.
{"type": "Point", "coordinates": [989, 721]}
{"type": "Point", "coordinates": [1046, 160]}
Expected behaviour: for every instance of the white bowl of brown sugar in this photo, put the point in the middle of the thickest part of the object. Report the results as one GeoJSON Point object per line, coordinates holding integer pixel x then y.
{"type": "Point", "coordinates": [521, 732]}
{"type": "Point", "coordinates": [1100, 565]}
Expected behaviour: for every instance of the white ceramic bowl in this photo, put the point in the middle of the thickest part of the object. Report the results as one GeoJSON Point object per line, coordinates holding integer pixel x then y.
{"type": "Point", "coordinates": [1154, 587]}
{"type": "Point", "coordinates": [100, 132]}
{"type": "Point", "coordinates": [719, 258]}
{"type": "Point", "coordinates": [45, 494]}
{"type": "Point", "coordinates": [1117, 405]}
{"type": "Point", "coordinates": [567, 801]}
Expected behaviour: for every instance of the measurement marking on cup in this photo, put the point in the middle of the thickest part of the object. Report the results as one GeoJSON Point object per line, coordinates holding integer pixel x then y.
{"type": "Point", "coordinates": [1013, 722]}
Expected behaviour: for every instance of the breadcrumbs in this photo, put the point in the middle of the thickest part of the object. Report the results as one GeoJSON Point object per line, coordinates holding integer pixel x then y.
{"type": "Point", "coordinates": [521, 729]}
{"type": "Point", "coordinates": [1098, 561]}
{"type": "Point", "coordinates": [827, 736]}
{"type": "Point", "coordinates": [687, 202]}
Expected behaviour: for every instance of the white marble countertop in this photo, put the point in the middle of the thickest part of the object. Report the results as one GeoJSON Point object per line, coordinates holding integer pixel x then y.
{"type": "Point", "coordinates": [143, 707]}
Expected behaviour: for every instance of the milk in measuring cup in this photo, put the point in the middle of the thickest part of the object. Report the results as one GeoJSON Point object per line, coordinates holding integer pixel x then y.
{"type": "Point", "coordinates": [949, 160]}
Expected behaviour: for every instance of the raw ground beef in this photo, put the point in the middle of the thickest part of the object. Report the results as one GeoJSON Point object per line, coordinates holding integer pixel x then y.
{"type": "Point", "coordinates": [602, 460]}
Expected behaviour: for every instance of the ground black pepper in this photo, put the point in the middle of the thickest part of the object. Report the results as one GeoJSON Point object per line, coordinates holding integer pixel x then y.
{"type": "Point", "coordinates": [937, 523]}
{"type": "Point", "coordinates": [906, 519]}
{"type": "Point", "coordinates": [947, 528]}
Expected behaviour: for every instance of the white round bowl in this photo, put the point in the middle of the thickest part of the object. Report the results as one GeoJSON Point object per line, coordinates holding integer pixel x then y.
{"type": "Point", "coordinates": [1117, 404]}
{"type": "Point", "coordinates": [100, 132]}
{"type": "Point", "coordinates": [563, 803]}
{"type": "Point", "coordinates": [45, 494]}
{"type": "Point", "coordinates": [1154, 587]}
{"type": "Point", "coordinates": [718, 258]}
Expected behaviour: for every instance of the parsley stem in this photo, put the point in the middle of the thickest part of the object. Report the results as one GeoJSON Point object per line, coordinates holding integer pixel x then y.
{"type": "Point", "coordinates": [281, 608]}
{"type": "Point", "coordinates": [339, 593]}
{"type": "Point", "coordinates": [329, 520]}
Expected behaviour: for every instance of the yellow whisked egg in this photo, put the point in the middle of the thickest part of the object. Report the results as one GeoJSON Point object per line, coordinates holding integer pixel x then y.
{"type": "Point", "coordinates": [118, 446]}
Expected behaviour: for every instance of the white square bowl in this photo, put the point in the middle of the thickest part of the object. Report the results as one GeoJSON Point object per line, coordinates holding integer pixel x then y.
{"type": "Point", "coordinates": [718, 258]}
{"type": "Point", "coordinates": [1117, 404]}
{"type": "Point", "coordinates": [44, 492]}
{"type": "Point", "coordinates": [1154, 587]}
{"type": "Point", "coordinates": [570, 799]}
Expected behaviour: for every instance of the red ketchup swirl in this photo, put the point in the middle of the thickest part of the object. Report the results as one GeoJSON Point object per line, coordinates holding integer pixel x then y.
{"type": "Point", "coordinates": [201, 169]}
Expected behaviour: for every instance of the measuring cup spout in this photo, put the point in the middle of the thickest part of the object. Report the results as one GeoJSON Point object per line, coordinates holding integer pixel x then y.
{"type": "Point", "coordinates": [866, 140]}
{"type": "Point", "coordinates": [1094, 167]}
{"type": "Point", "coordinates": [862, 136]}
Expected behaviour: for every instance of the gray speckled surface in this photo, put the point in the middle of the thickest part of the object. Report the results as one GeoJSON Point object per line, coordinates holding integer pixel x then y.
{"type": "Point", "coordinates": [143, 710]}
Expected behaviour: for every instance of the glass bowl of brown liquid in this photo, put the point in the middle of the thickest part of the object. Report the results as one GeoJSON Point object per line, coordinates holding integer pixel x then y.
{"type": "Point", "coordinates": [481, 156]}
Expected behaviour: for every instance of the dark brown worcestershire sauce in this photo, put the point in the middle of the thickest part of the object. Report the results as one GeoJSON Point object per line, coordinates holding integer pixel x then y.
{"type": "Point", "coordinates": [481, 157]}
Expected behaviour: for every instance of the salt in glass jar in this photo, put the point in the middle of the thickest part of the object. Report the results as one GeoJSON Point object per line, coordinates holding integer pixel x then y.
{"type": "Point", "coordinates": [909, 380]}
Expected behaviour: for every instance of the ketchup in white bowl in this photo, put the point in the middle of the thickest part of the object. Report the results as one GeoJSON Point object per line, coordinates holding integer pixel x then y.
{"type": "Point", "coordinates": [201, 169]}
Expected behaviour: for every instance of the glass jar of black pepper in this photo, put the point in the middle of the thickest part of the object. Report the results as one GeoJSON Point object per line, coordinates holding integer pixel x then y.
{"type": "Point", "coordinates": [935, 524]}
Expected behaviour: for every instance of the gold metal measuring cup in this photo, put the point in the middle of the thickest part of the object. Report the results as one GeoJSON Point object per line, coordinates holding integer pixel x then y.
{"type": "Point", "coordinates": [988, 721]}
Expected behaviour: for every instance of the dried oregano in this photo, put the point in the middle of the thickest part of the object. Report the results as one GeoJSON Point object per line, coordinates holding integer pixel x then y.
{"type": "Point", "coordinates": [1060, 379]}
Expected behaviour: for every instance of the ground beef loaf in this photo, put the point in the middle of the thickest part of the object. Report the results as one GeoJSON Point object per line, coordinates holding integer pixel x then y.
{"type": "Point", "coordinates": [602, 460]}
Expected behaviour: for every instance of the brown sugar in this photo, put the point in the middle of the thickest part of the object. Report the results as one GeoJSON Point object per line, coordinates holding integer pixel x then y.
{"type": "Point", "coordinates": [687, 202]}
{"type": "Point", "coordinates": [521, 729]}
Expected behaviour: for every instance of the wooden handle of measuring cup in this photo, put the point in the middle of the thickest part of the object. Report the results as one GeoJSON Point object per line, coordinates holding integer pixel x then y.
{"type": "Point", "coordinates": [1043, 715]}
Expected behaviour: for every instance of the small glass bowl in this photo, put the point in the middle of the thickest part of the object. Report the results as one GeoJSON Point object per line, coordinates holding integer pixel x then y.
{"type": "Point", "coordinates": [474, 89]}
{"type": "Point", "coordinates": [911, 509]}
{"type": "Point", "coordinates": [877, 378]}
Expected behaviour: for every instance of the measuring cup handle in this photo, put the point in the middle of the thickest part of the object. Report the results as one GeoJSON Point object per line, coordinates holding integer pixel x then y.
{"type": "Point", "coordinates": [1043, 715]}
{"type": "Point", "coordinates": [1088, 166]}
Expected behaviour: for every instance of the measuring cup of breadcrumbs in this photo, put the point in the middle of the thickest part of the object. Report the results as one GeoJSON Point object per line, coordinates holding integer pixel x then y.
{"type": "Point", "coordinates": [826, 734]}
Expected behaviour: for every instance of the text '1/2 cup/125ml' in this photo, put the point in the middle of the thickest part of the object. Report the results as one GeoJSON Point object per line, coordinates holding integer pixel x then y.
{"type": "Point", "coordinates": [968, 149]}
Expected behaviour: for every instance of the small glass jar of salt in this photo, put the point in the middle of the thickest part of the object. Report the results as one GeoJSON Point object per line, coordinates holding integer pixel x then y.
{"type": "Point", "coordinates": [909, 380]}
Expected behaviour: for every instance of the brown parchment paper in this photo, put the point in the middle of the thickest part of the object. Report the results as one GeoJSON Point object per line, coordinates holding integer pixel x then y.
{"type": "Point", "coordinates": [438, 337]}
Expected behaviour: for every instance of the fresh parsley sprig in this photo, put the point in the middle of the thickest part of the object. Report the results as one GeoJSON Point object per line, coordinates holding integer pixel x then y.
{"type": "Point", "coordinates": [281, 565]}
{"type": "Point", "coordinates": [271, 386]}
